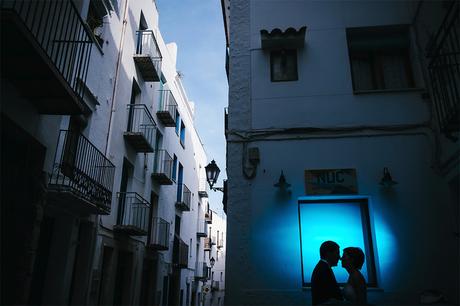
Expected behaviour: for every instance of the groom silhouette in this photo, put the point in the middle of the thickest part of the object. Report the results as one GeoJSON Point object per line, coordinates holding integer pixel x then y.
{"type": "Point", "coordinates": [324, 287]}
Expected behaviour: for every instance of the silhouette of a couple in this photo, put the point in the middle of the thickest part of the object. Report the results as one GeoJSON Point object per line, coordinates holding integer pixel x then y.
{"type": "Point", "coordinates": [324, 287]}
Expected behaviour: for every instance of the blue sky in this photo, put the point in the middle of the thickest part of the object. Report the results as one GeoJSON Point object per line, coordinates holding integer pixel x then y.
{"type": "Point", "coordinates": [196, 26]}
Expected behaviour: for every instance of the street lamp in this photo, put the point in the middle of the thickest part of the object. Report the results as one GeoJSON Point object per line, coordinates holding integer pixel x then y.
{"type": "Point", "coordinates": [212, 173]}
{"type": "Point", "coordinates": [212, 261]}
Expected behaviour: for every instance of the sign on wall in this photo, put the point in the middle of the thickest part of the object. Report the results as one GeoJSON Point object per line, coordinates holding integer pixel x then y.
{"type": "Point", "coordinates": [331, 181]}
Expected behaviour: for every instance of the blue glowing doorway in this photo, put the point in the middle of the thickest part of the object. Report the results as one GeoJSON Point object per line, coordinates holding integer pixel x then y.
{"type": "Point", "coordinates": [344, 220]}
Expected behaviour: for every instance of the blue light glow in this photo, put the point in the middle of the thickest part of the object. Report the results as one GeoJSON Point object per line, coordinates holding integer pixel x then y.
{"type": "Point", "coordinates": [339, 222]}
{"type": "Point", "coordinates": [386, 243]}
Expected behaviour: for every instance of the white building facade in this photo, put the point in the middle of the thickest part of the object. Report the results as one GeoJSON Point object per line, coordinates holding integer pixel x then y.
{"type": "Point", "coordinates": [215, 252]}
{"type": "Point", "coordinates": [107, 183]}
{"type": "Point", "coordinates": [342, 125]}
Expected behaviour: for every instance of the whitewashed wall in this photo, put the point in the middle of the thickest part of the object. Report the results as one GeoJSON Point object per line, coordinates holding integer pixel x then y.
{"type": "Point", "coordinates": [409, 222]}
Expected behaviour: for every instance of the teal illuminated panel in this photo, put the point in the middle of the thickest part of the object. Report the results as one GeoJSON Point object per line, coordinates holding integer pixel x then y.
{"type": "Point", "coordinates": [344, 221]}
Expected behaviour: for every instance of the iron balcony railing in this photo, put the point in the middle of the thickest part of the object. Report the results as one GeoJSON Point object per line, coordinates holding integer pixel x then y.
{"type": "Point", "coordinates": [133, 214]}
{"type": "Point", "coordinates": [215, 285]}
{"type": "Point", "coordinates": [202, 183]}
{"type": "Point", "coordinates": [207, 243]}
{"type": "Point", "coordinates": [180, 253]}
{"type": "Point", "coordinates": [220, 243]}
{"type": "Point", "coordinates": [61, 33]}
{"type": "Point", "coordinates": [208, 216]}
{"type": "Point", "coordinates": [141, 128]}
{"type": "Point", "coordinates": [159, 234]}
{"type": "Point", "coordinates": [79, 167]}
{"type": "Point", "coordinates": [167, 108]}
{"type": "Point", "coordinates": [213, 241]}
{"type": "Point", "coordinates": [201, 270]}
{"type": "Point", "coordinates": [162, 167]}
{"type": "Point", "coordinates": [444, 71]}
{"type": "Point", "coordinates": [202, 228]}
{"type": "Point", "coordinates": [184, 197]}
{"type": "Point", "coordinates": [148, 56]}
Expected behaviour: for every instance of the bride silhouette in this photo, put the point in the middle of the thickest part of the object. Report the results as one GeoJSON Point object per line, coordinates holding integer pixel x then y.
{"type": "Point", "coordinates": [355, 290]}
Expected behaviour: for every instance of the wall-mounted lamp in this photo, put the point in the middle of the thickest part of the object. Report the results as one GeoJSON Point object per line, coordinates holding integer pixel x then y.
{"type": "Point", "coordinates": [282, 183]}
{"type": "Point", "coordinates": [387, 180]}
{"type": "Point", "coordinates": [212, 173]}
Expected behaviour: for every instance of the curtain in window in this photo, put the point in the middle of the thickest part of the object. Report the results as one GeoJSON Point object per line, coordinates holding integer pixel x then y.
{"type": "Point", "coordinates": [362, 74]}
{"type": "Point", "coordinates": [394, 71]}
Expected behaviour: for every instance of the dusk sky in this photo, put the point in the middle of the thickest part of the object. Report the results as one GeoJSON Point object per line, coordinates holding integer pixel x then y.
{"type": "Point", "coordinates": [197, 29]}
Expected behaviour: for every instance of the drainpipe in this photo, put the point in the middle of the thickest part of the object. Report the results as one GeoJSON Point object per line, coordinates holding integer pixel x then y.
{"type": "Point", "coordinates": [117, 71]}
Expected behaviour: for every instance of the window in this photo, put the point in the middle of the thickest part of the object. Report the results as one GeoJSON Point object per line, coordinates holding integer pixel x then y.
{"type": "Point", "coordinates": [345, 221]}
{"type": "Point", "coordinates": [180, 177]}
{"type": "Point", "coordinates": [157, 162]}
{"type": "Point", "coordinates": [174, 170]}
{"type": "Point", "coordinates": [283, 65]}
{"type": "Point", "coordinates": [177, 123]}
{"type": "Point", "coordinates": [380, 58]}
{"type": "Point", "coordinates": [126, 176]}
{"type": "Point", "coordinates": [177, 226]}
{"type": "Point", "coordinates": [133, 120]}
{"type": "Point", "coordinates": [69, 162]}
{"type": "Point", "coordinates": [182, 134]}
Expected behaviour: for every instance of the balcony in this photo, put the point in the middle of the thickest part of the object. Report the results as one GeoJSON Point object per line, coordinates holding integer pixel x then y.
{"type": "Point", "coordinates": [162, 168]}
{"type": "Point", "coordinates": [207, 244]}
{"type": "Point", "coordinates": [140, 133]}
{"type": "Point", "coordinates": [201, 271]}
{"type": "Point", "coordinates": [215, 285]}
{"type": "Point", "coordinates": [180, 253]}
{"type": "Point", "coordinates": [46, 56]}
{"type": "Point", "coordinates": [159, 235]}
{"type": "Point", "coordinates": [167, 110]}
{"type": "Point", "coordinates": [208, 216]}
{"type": "Point", "coordinates": [444, 71]}
{"type": "Point", "coordinates": [202, 192]}
{"type": "Point", "coordinates": [213, 241]}
{"type": "Point", "coordinates": [202, 230]}
{"type": "Point", "coordinates": [82, 177]}
{"type": "Point", "coordinates": [133, 214]}
{"type": "Point", "coordinates": [220, 243]}
{"type": "Point", "coordinates": [148, 57]}
{"type": "Point", "coordinates": [184, 196]}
